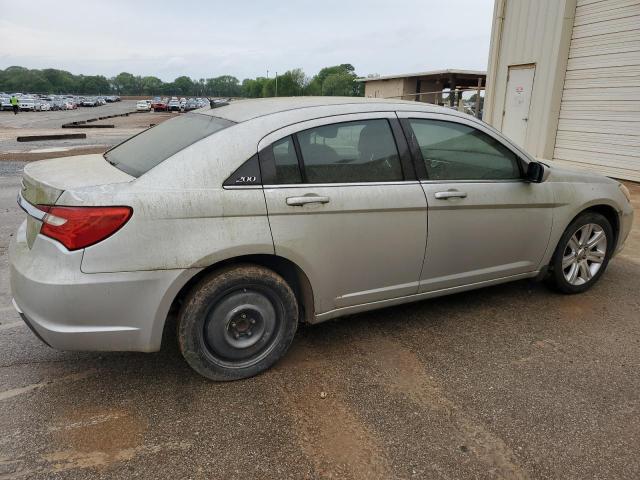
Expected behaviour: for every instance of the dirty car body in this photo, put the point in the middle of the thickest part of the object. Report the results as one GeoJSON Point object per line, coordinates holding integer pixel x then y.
{"type": "Point", "coordinates": [316, 208]}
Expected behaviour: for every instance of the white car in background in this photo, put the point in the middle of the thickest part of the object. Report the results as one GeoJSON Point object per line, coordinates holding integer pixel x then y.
{"type": "Point", "coordinates": [143, 106]}
{"type": "Point", "coordinates": [27, 103]}
{"type": "Point", "coordinates": [174, 105]}
{"type": "Point", "coordinates": [5, 102]}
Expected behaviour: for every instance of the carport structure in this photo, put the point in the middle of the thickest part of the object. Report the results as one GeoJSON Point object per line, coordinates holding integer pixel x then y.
{"type": "Point", "coordinates": [426, 87]}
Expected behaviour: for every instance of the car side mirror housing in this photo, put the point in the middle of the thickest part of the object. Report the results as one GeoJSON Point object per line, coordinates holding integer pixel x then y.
{"type": "Point", "coordinates": [536, 172]}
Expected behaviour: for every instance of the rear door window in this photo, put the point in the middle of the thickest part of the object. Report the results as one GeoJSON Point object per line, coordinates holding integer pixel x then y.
{"type": "Point", "coordinates": [286, 161]}
{"type": "Point", "coordinates": [144, 151]}
{"type": "Point", "coordinates": [350, 152]}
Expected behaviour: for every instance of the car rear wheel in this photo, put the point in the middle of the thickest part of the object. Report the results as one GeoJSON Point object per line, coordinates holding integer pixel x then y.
{"type": "Point", "coordinates": [237, 322]}
{"type": "Point", "coordinates": [582, 254]}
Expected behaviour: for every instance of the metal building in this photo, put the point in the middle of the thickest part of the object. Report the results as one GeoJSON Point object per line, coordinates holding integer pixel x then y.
{"type": "Point", "coordinates": [426, 86]}
{"type": "Point", "coordinates": [564, 81]}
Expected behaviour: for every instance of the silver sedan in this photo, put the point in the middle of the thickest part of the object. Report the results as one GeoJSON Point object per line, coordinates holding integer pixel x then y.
{"type": "Point", "coordinates": [252, 217]}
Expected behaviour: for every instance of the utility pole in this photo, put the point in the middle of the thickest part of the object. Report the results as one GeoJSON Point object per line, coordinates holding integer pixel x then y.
{"type": "Point", "coordinates": [276, 84]}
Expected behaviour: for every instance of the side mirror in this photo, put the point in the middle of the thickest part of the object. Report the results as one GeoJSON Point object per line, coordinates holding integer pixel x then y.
{"type": "Point", "coordinates": [536, 172]}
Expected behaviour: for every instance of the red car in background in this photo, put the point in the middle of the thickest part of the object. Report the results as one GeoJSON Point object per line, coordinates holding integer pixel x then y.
{"type": "Point", "coordinates": [159, 105]}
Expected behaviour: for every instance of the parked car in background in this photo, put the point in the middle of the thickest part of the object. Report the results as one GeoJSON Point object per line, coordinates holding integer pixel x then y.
{"type": "Point", "coordinates": [191, 104]}
{"type": "Point", "coordinates": [58, 104]}
{"type": "Point", "coordinates": [329, 218]}
{"type": "Point", "coordinates": [143, 106]}
{"type": "Point", "coordinates": [90, 102]}
{"type": "Point", "coordinates": [174, 105]}
{"type": "Point", "coordinates": [158, 105]}
{"type": "Point", "coordinates": [43, 106]}
{"type": "Point", "coordinates": [27, 103]}
{"type": "Point", "coordinates": [5, 102]}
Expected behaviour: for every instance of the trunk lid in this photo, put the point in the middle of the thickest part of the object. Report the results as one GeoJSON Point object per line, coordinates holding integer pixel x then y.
{"type": "Point", "coordinates": [43, 182]}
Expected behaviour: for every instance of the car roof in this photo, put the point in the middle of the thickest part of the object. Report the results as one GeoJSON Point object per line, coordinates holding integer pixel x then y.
{"type": "Point", "coordinates": [244, 110]}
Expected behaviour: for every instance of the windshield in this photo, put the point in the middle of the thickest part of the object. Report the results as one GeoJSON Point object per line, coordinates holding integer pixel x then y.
{"type": "Point", "coordinates": [144, 151]}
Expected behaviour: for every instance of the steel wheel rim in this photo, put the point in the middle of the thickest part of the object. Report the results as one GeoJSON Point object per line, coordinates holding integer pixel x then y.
{"type": "Point", "coordinates": [584, 254]}
{"type": "Point", "coordinates": [231, 338]}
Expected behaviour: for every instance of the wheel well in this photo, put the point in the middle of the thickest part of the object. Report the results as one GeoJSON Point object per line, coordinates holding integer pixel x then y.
{"type": "Point", "coordinates": [610, 214]}
{"type": "Point", "coordinates": [607, 212]}
{"type": "Point", "coordinates": [292, 274]}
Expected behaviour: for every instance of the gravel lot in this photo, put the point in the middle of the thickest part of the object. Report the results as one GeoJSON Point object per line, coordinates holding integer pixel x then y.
{"type": "Point", "coordinates": [54, 119]}
{"type": "Point", "coordinates": [509, 382]}
{"type": "Point", "coordinates": [44, 123]}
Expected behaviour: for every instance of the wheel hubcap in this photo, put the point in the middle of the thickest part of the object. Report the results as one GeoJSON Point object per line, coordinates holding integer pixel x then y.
{"type": "Point", "coordinates": [240, 325]}
{"type": "Point", "coordinates": [584, 254]}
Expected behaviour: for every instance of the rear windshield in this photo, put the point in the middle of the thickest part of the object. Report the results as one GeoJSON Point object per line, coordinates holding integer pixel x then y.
{"type": "Point", "coordinates": [144, 151]}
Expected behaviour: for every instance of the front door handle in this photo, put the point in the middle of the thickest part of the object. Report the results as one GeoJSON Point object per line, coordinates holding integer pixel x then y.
{"type": "Point", "coordinates": [450, 194]}
{"type": "Point", "coordinates": [299, 201]}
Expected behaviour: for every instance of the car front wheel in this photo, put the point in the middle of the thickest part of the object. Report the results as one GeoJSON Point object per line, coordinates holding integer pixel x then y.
{"type": "Point", "coordinates": [237, 322]}
{"type": "Point", "coordinates": [583, 253]}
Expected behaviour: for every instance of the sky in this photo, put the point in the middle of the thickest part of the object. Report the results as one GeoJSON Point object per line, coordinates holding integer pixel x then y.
{"type": "Point", "coordinates": [244, 38]}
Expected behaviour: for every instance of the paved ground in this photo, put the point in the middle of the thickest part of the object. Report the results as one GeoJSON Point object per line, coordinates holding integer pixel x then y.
{"type": "Point", "coordinates": [509, 382]}
{"type": "Point", "coordinates": [54, 119]}
{"type": "Point", "coordinates": [44, 123]}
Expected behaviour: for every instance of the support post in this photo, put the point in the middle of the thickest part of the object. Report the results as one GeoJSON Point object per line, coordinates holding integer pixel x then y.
{"type": "Point", "coordinates": [452, 90]}
{"type": "Point", "coordinates": [478, 97]}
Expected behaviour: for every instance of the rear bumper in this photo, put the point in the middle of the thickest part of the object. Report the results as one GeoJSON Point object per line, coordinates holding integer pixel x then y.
{"type": "Point", "coordinates": [71, 310]}
{"type": "Point", "coordinates": [28, 322]}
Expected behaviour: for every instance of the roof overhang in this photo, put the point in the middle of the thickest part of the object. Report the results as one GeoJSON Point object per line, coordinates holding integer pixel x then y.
{"type": "Point", "coordinates": [432, 73]}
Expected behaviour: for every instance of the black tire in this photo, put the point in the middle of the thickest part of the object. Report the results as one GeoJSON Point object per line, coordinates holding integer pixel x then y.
{"type": "Point", "coordinates": [237, 322]}
{"type": "Point", "coordinates": [556, 278]}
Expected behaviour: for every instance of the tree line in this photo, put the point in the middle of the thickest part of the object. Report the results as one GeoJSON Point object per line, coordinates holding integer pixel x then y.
{"type": "Point", "coordinates": [332, 81]}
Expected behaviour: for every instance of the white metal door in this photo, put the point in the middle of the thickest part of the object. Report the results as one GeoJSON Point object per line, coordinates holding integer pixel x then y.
{"type": "Point", "coordinates": [517, 101]}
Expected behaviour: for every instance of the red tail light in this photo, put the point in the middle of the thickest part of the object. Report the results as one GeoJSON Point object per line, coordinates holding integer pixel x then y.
{"type": "Point", "coordinates": [81, 227]}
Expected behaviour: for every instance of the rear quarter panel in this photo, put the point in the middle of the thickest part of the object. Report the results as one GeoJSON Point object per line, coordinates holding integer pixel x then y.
{"type": "Point", "coordinates": [182, 217]}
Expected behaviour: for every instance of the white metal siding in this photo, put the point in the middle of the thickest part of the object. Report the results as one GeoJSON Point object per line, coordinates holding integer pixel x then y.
{"type": "Point", "coordinates": [599, 124]}
{"type": "Point", "coordinates": [530, 32]}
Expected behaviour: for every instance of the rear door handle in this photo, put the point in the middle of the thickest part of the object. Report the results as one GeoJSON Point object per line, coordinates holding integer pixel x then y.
{"type": "Point", "coordinates": [450, 194]}
{"type": "Point", "coordinates": [299, 201]}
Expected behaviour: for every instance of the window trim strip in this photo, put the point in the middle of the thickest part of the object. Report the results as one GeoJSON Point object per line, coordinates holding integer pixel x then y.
{"type": "Point", "coordinates": [296, 147]}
